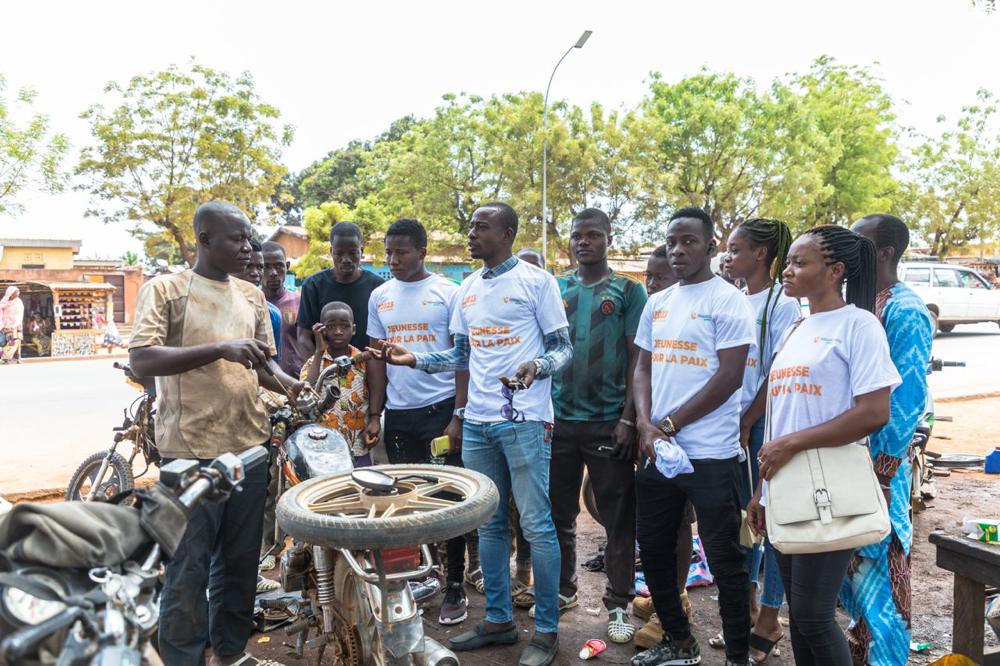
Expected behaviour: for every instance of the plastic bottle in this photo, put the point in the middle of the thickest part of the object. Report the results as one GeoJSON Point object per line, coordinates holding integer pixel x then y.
{"type": "Point", "coordinates": [993, 461]}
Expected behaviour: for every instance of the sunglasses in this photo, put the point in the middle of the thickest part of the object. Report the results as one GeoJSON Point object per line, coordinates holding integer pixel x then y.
{"type": "Point", "coordinates": [508, 411]}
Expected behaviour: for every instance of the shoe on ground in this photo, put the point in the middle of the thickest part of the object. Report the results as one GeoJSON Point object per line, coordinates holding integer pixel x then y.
{"type": "Point", "coordinates": [455, 607]}
{"type": "Point", "coordinates": [479, 637]}
{"type": "Point", "coordinates": [745, 662]}
{"type": "Point", "coordinates": [265, 585]}
{"type": "Point", "coordinates": [668, 653]}
{"type": "Point", "coordinates": [565, 604]}
{"type": "Point", "coordinates": [424, 590]}
{"type": "Point", "coordinates": [474, 577]}
{"type": "Point", "coordinates": [650, 635]}
{"type": "Point", "coordinates": [642, 608]}
{"type": "Point", "coordinates": [620, 627]}
{"type": "Point", "coordinates": [539, 651]}
{"type": "Point", "coordinates": [268, 563]}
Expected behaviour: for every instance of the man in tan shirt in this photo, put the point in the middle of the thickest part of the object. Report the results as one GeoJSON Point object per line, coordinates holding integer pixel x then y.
{"type": "Point", "coordinates": [207, 339]}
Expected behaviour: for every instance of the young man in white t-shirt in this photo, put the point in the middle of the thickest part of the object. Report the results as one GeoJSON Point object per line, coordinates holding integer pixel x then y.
{"type": "Point", "coordinates": [415, 309]}
{"type": "Point", "coordinates": [693, 339]}
{"type": "Point", "coordinates": [509, 322]}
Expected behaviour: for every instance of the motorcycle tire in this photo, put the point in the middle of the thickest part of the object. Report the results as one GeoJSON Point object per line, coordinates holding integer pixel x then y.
{"type": "Point", "coordinates": [363, 533]}
{"type": "Point", "coordinates": [118, 477]}
{"type": "Point", "coordinates": [589, 501]}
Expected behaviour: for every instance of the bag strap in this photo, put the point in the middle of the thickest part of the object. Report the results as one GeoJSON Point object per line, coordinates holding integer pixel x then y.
{"type": "Point", "coordinates": [767, 401]}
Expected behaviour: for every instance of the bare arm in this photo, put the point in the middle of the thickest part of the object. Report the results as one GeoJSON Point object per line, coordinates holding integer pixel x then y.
{"type": "Point", "coordinates": [753, 414]}
{"type": "Point", "coordinates": [163, 361]}
{"type": "Point", "coordinates": [726, 381]}
{"type": "Point", "coordinates": [642, 395]}
{"type": "Point", "coordinates": [305, 340]}
{"type": "Point", "coordinates": [624, 434]}
{"type": "Point", "coordinates": [378, 381]}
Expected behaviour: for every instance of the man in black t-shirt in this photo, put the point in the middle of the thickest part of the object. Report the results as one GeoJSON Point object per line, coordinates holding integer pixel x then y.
{"type": "Point", "coordinates": [345, 282]}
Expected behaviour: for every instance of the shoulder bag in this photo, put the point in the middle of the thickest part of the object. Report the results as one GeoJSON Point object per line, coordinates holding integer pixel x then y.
{"type": "Point", "coordinates": [825, 499]}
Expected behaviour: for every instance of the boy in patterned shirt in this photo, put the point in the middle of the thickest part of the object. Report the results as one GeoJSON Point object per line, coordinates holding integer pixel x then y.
{"type": "Point", "coordinates": [348, 413]}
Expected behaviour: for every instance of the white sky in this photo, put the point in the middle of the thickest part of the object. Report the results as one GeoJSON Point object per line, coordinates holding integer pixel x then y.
{"type": "Point", "coordinates": [343, 70]}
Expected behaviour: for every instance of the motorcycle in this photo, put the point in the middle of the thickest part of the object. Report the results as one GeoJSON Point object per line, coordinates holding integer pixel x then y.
{"type": "Point", "coordinates": [922, 486]}
{"type": "Point", "coordinates": [68, 604]}
{"type": "Point", "coordinates": [105, 474]}
{"type": "Point", "coordinates": [354, 533]}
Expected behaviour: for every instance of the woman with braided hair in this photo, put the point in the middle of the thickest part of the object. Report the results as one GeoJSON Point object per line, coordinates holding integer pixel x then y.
{"type": "Point", "coordinates": [756, 253]}
{"type": "Point", "coordinates": [829, 385]}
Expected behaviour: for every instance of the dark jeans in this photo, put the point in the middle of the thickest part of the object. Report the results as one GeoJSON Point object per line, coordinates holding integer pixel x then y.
{"type": "Point", "coordinates": [219, 552]}
{"type": "Point", "coordinates": [408, 435]}
{"type": "Point", "coordinates": [812, 582]}
{"type": "Point", "coordinates": [268, 541]}
{"type": "Point", "coordinates": [575, 444]}
{"type": "Point", "coordinates": [711, 489]}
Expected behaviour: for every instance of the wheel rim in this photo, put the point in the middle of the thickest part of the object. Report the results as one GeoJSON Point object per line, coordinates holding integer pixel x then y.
{"type": "Point", "coordinates": [341, 496]}
{"type": "Point", "coordinates": [106, 489]}
{"type": "Point", "coordinates": [355, 608]}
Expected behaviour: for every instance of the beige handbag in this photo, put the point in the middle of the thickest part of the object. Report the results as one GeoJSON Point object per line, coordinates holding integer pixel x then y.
{"type": "Point", "coordinates": [825, 499]}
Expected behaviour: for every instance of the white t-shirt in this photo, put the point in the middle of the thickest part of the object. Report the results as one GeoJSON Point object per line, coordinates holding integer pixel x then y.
{"type": "Point", "coordinates": [684, 327]}
{"type": "Point", "coordinates": [831, 358]}
{"type": "Point", "coordinates": [506, 319]}
{"type": "Point", "coordinates": [416, 315]}
{"type": "Point", "coordinates": [782, 312]}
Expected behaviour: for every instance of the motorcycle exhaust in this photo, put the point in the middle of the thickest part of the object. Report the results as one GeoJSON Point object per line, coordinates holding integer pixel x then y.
{"type": "Point", "coordinates": [435, 654]}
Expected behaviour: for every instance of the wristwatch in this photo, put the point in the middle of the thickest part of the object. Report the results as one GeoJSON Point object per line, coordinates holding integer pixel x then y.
{"type": "Point", "coordinates": [667, 426]}
{"type": "Point", "coordinates": [538, 367]}
{"type": "Point", "coordinates": [459, 413]}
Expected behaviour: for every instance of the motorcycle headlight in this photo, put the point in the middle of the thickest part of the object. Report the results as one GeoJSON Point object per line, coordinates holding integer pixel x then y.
{"type": "Point", "coordinates": [28, 609]}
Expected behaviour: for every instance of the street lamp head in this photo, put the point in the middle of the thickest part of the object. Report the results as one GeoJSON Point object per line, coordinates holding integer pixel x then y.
{"type": "Point", "coordinates": [583, 39]}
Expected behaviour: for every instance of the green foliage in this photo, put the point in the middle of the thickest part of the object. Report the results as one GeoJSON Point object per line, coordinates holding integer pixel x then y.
{"type": "Point", "coordinates": [318, 220]}
{"type": "Point", "coordinates": [953, 180]}
{"type": "Point", "coordinates": [130, 258]}
{"type": "Point", "coordinates": [30, 154]}
{"type": "Point", "coordinates": [175, 139]}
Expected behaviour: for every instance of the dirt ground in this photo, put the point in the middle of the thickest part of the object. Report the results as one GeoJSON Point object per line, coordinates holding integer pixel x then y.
{"type": "Point", "coordinates": [962, 494]}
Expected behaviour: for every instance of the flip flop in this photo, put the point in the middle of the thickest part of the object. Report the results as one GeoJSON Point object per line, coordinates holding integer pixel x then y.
{"type": "Point", "coordinates": [717, 641]}
{"type": "Point", "coordinates": [525, 598]}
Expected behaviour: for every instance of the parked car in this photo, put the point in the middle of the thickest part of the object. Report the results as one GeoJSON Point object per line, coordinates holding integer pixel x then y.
{"type": "Point", "coordinates": [954, 294]}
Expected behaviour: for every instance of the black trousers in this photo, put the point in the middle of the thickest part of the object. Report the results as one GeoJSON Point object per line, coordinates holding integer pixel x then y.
{"type": "Point", "coordinates": [219, 552]}
{"type": "Point", "coordinates": [579, 443]}
{"type": "Point", "coordinates": [812, 582]}
{"type": "Point", "coordinates": [408, 435]}
{"type": "Point", "coordinates": [711, 489]}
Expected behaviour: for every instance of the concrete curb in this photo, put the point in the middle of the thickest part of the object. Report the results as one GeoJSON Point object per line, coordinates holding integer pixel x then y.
{"type": "Point", "coordinates": [966, 398]}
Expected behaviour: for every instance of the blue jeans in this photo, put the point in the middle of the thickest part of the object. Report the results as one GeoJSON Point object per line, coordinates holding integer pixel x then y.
{"type": "Point", "coordinates": [773, 594]}
{"type": "Point", "coordinates": [515, 456]}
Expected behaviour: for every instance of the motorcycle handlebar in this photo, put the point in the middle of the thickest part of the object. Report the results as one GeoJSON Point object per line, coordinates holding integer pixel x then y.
{"type": "Point", "coordinates": [23, 642]}
{"type": "Point", "coordinates": [227, 473]}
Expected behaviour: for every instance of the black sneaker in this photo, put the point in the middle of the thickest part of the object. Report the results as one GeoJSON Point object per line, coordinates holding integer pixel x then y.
{"type": "Point", "coordinates": [666, 653]}
{"type": "Point", "coordinates": [455, 607]}
{"type": "Point", "coordinates": [745, 662]}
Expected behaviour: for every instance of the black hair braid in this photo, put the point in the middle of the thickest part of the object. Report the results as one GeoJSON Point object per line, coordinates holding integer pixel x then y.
{"type": "Point", "coordinates": [857, 253]}
{"type": "Point", "coordinates": [777, 238]}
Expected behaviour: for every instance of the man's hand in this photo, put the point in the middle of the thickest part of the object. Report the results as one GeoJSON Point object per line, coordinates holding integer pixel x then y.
{"type": "Point", "coordinates": [774, 455]}
{"type": "Point", "coordinates": [372, 430]}
{"type": "Point", "coordinates": [454, 433]}
{"type": "Point", "coordinates": [526, 373]}
{"type": "Point", "coordinates": [393, 354]}
{"type": "Point", "coordinates": [318, 338]}
{"type": "Point", "coordinates": [295, 390]}
{"type": "Point", "coordinates": [249, 353]}
{"type": "Point", "coordinates": [756, 516]}
{"type": "Point", "coordinates": [648, 433]}
{"type": "Point", "coordinates": [623, 438]}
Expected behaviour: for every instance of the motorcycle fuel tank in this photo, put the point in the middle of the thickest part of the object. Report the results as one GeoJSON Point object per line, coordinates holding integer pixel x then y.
{"type": "Point", "coordinates": [316, 450]}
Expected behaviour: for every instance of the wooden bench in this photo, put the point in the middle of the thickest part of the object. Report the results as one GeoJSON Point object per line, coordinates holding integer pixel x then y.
{"type": "Point", "coordinates": [975, 565]}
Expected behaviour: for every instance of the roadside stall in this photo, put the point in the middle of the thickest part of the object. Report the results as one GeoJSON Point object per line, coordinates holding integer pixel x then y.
{"type": "Point", "coordinates": [69, 317]}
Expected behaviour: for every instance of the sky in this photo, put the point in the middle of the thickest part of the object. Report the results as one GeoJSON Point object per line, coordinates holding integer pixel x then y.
{"type": "Point", "coordinates": [340, 71]}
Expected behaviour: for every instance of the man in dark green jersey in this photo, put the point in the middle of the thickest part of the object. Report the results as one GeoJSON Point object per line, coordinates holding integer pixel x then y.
{"type": "Point", "coordinates": [595, 418]}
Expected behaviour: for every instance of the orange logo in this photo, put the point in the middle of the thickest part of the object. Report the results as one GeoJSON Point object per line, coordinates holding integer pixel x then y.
{"type": "Point", "coordinates": [386, 306]}
{"type": "Point", "coordinates": [660, 315]}
{"type": "Point", "coordinates": [469, 301]}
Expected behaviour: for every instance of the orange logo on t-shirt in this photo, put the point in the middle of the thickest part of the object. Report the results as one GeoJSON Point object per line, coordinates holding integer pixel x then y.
{"type": "Point", "coordinates": [469, 301]}
{"type": "Point", "coordinates": [386, 306]}
{"type": "Point", "coordinates": [660, 315]}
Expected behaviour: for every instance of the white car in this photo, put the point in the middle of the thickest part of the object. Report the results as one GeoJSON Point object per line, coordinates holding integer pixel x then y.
{"type": "Point", "coordinates": [953, 294]}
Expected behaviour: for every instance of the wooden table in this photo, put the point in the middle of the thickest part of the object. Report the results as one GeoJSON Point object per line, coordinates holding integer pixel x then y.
{"type": "Point", "coordinates": [975, 566]}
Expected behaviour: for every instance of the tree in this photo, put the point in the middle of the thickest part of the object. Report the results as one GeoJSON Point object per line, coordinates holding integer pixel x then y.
{"type": "Point", "coordinates": [30, 154]}
{"type": "Point", "coordinates": [318, 222]}
{"type": "Point", "coordinates": [178, 138]}
{"type": "Point", "coordinates": [953, 180]}
{"type": "Point", "coordinates": [130, 258]}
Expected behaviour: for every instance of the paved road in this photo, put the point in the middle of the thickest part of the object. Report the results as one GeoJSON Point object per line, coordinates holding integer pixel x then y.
{"type": "Point", "coordinates": [52, 415]}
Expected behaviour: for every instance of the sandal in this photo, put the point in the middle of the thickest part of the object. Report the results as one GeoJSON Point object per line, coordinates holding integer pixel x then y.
{"type": "Point", "coordinates": [717, 641]}
{"type": "Point", "coordinates": [620, 628]}
{"type": "Point", "coordinates": [525, 598]}
{"type": "Point", "coordinates": [765, 646]}
{"type": "Point", "coordinates": [248, 660]}
{"type": "Point", "coordinates": [565, 603]}
{"type": "Point", "coordinates": [475, 579]}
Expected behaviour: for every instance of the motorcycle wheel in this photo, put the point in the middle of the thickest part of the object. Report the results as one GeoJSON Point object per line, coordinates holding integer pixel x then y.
{"type": "Point", "coordinates": [357, 612]}
{"type": "Point", "coordinates": [117, 478]}
{"type": "Point", "coordinates": [336, 512]}
{"type": "Point", "coordinates": [589, 501]}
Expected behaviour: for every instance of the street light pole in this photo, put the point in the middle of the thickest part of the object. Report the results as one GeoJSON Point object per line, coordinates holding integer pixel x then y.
{"type": "Point", "coordinates": [545, 145]}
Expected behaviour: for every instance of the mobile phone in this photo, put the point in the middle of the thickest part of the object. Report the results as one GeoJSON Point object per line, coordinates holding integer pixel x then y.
{"type": "Point", "coordinates": [440, 446]}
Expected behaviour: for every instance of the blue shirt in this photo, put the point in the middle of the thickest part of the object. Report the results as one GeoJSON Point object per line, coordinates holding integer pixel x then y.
{"type": "Point", "coordinates": [275, 313]}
